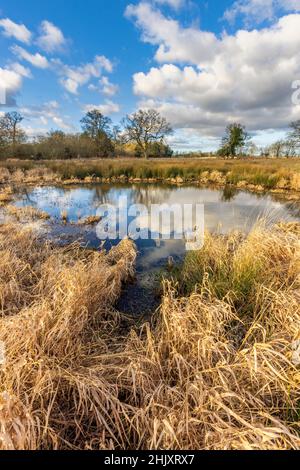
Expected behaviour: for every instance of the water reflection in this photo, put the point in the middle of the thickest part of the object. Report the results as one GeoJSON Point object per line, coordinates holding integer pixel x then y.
{"type": "Point", "coordinates": [224, 210]}
{"type": "Point", "coordinates": [229, 193]}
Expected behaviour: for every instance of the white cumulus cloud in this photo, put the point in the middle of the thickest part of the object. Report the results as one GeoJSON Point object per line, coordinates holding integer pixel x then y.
{"type": "Point", "coordinates": [109, 107]}
{"type": "Point", "coordinates": [14, 30]}
{"type": "Point", "coordinates": [37, 60]}
{"type": "Point", "coordinates": [73, 77]}
{"type": "Point", "coordinates": [258, 11]}
{"type": "Point", "coordinates": [51, 38]}
{"type": "Point", "coordinates": [46, 113]}
{"type": "Point", "coordinates": [108, 88]}
{"type": "Point", "coordinates": [175, 44]}
{"type": "Point", "coordinates": [20, 69]}
{"type": "Point", "coordinates": [206, 81]}
{"type": "Point", "coordinates": [172, 3]}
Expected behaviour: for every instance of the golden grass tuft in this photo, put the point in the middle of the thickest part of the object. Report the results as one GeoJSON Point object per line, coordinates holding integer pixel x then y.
{"type": "Point", "coordinates": [215, 369]}
{"type": "Point", "coordinates": [89, 220]}
{"type": "Point", "coordinates": [295, 182]}
{"type": "Point", "coordinates": [6, 195]}
{"type": "Point", "coordinates": [56, 336]}
{"type": "Point", "coordinates": [196, 389]}
{"type": "Point", "coordinates": [289, 227]}
{"type": "Point", "coordinates": [26, 213]}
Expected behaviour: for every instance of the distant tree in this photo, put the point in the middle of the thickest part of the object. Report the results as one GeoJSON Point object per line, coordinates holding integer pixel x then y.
{"type": "Point", "coordinates": [291, 148]}
{"type": "Point", "coordinates": [144, 128]}
{"type": "Point", "coordinates": [94, 122]}
{"type": "Point", "coordinates": [97, 128]}
{"type": "Point", "coordinates": [10, 132]}
{"type": "Point", "coordinates": [277, 149]}
{"type": "Point", "coordinates": [251, 149]}
{"type": "Point", "coordinates": [118, 141]}
{"type": "Point", "coordinates": [117, 135]}
{"type": "Point", "coordinates": [159, 149]}
{"type": "Point", "coordinates": [56, 135]}
{"type": "Point", "coordinates": [234, 140]}
{"type": "Point", "coordinates": [294, 135]}
{"type": "Point", "coordinates": [3, 134]}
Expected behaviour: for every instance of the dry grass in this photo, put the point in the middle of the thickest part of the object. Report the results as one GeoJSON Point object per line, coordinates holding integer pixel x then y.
{"type": "Point", "coordinates": [57, 325]}
{"type": "Point", "coordinates": [295, 182]}
{"type": "Point", "coordinates": [290, 227]}
{"type": "Point", "coordinates": [89, 220]}
{"type": "Point", "coordinates": [6, 195]}
{"type": "Point", "coordinates": [26, 213]}
{"type": "Point", "coordinates": [253, 173]}
{"type": "Point", "coordinates": [64, 216]}
{"type": "Point", "coordinates": [218, 366]}
{"type": "Point", "coordinates": [22, 174]}
{"type": "Point", "coordinates": [217, 369]}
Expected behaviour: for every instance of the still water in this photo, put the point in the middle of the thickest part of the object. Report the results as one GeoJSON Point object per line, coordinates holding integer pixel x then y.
{"type": "Point", "coordinates": [224, 210]}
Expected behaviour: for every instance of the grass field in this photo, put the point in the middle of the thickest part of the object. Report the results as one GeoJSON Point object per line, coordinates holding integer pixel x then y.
{"type": "Point", "coordinates": [268, 174]}
{"type": "Point", "coordinates": [217, 368]}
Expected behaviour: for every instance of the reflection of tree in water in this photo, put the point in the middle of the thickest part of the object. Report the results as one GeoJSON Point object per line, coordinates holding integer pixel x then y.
{"type": "Point", "coordinates": [101, 194]}
{"type": "Point", "coordinates": [136, 194]}
{"type": "Point", "coordinates": [28, 198]}
{"type": "Point", "coordinates": [154, 194]}
{"type": "Point", "coordinates": [229, 193]}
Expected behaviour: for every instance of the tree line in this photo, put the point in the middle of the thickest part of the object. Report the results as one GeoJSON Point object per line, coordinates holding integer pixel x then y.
{"type": "Point", "coordinates": [237, 142]}
{"type": "Point", "coordinates": [142, 134]}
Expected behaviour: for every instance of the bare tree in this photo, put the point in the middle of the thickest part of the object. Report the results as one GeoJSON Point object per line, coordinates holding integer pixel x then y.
{"type": "Point", "coordinates": [3, 133]}
{"type": "Point", "coordinates": [144, 128]}
{"type": "Point", "coordinates": [251, 149]}
{"type": "Point", "coordinates": [294, 135]}
{"type": "Point", "coordinates": [10, 132]}
{"type": "Point", "coordinates": [277, 149]}
{"type": "Point", "coordinates": [290, 148]}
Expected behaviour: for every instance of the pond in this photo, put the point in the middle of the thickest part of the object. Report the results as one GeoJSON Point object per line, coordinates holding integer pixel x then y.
{"type": "Point", "coordinates": [224, 210]}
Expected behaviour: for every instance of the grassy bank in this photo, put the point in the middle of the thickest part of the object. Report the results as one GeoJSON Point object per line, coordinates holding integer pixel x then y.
{"type": "Point", "coordinates": [258, 174]}
{"type": "Point", "coordinates": [218, 368]}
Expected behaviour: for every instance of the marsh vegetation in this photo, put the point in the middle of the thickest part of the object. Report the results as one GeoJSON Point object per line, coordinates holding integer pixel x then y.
{"type": "Point", "coordinates": [216, 368]}
{"type": "Point", "coordinates": [280, 175]}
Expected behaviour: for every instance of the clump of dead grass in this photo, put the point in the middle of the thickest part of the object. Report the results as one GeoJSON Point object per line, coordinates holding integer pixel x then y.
{"type": "Point", "coordinates": [26, 213]}
{"type": "Point", "coordinates": [289, 227]}
{"type": "Point", "coordinates": [5, 175]}
{"type": "Point", "coordinates": [89, 220]}
{"type": "Point", "coordinates": [215, 369]}
{"type": "Point", "coordinates": [295, 182]}
{"type": "Point", "coordinates": [57, 325]}
{"type": "Point", "coordinates": [39, 174]}
{"type": "Point", "coordinates": [6, 195]}
{"type": "Point", "coordinates": [218, 370]}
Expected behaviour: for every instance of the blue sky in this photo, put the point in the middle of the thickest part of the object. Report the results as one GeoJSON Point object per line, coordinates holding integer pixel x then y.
{"type": "Point", "coordinates": [202, 64]}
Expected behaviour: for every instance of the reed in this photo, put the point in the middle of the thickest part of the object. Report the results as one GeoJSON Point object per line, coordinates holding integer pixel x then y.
{"type": "Point", "coordinates": [217, 367]}
{"type": "Point", "coordinates": [26, 213]}
{"type": "Point", "coordinates": [264, 174]}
